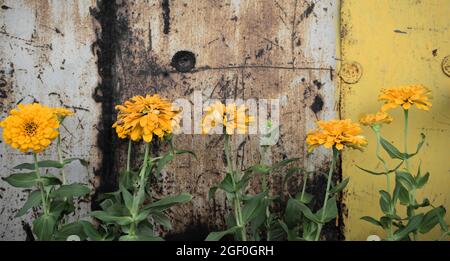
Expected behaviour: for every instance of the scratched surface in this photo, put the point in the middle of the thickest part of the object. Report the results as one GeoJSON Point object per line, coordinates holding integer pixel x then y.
{"type": "Point", "coordinates": [46, 56]}
{"type": "Point", "coordinates": [244, 49]}
{"type": "Point", "coordinates": [406, 44]}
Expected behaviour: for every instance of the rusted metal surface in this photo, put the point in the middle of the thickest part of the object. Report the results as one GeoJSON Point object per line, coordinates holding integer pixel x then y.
{"type": "Point", "coordinates": [242, 49]}
{"type": "Point", "coordinates": [46, 55]}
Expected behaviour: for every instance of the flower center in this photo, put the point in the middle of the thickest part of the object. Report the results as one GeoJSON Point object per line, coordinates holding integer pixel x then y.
{"type": "Point", "coordinates": [30, 128]}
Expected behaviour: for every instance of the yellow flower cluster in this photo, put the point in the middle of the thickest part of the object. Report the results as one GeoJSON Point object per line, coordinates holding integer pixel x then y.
{"type": "Point", "coordinates": [232, 117]}
{"type": "Point", "coordinates": [62, 112]}
{"type": "Point", "coordinates": [405, 96]}
{"type": "Point", "coordinates": [142, 117]}
{"type": "Point", "coordinates": [336, 133]}
{"type": "Point", "coordinates": [376, 119]}
{"type": "Point", "coordinates": [30, 127]}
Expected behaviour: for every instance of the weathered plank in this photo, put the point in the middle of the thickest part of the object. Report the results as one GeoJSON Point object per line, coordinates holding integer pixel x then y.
{"type": "Point", "coordinates": [244, 49]}
{"type": "Point", "coordinates": [46, 56]}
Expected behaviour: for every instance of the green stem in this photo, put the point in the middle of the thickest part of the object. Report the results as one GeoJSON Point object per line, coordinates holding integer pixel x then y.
{"type": "Point", "coordinates": [237, 201]}
{"type": "Point", "coordinates": [327, 193]}
{"type": "Point", "coordinates": [40, 185]}
{"type": "Point", "coordinates": [141, 190]}
{"type": "Point", "coordinates": [305, 180]}
{"type": "Point", "coordinates": [405, 142]}
{"type": "Point", "coordinates": [61, 160]}
{"type": "Point", "coordinates": [386, 169]}
{"type": "Point", "coordinates": [129, 156]}
{"type": "Point", "coordinates": [405, 137]}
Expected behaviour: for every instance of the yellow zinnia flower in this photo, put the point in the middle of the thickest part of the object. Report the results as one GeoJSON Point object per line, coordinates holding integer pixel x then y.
{"type": "Point", "coordinates": [376, 119]}
{"type": "Point", "coordinates": [142, 117]}
{"type": "Point", "coordinates": [231, 117]}
{"type": "Point", "coordinates": [336, 133]}
{"type": "Point", "coordinates": [405, 96]}
{"type": "Point", "coordinates": [30, 127]}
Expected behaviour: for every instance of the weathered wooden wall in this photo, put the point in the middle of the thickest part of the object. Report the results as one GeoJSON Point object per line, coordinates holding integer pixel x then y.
{"type": "Point", "coordinates": [243, 49]}
{"type": "Point", "coordinates": [46, 55]}
{"type": "Point", "coordinates": [283, 49]}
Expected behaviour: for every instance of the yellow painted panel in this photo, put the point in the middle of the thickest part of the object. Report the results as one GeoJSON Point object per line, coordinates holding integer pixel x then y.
{"type": "Point", "coordinates": [396, 42]}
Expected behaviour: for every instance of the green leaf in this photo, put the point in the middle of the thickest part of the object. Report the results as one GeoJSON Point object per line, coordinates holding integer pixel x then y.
{"type": "Point", "coordinates": [44, 226]}
{"type": "Point", "coordinates": [338, 188]}
{"type": "Point", "coordinates": [162, 163]}
{"type": "Point", "coordinates": [212, 192]}
{"type": "Point", "coordinates": [216, 236]}
{"type": "Point", "coordinates": [106, 204]}
{"type": "Point", "coordinates": [395, 153]}
{"type": "Point", "coordinates": [169, 201]}
{"type": "Point", "coordinates": [422, 180]}
{"type": "Point", "coordinates": [245, 179]}
{"type": "Point", "coordinates": [403, 195]}
{"type": "Point", "coordinates": [259, 168]}
{"type": "Point", "coordinates": [127, 197]}
{"type": "Point", "coordinates": [276, 232]}
{"type": "Point", "coordinates": [227, 184]}
{"type": "Point", "coordinates": [22, 180]}
{"type": "Point", "coordinates": [259, 216]}
{"type": "Point", "coordinates": [380, 173]}
{"type": "Point", "coordinates": [143, 215]}
{"type": "Point", "coordinates": [405, 179]}
{"type": "Point", "coordinates": [309, 231]}
{"type": "Point", "coordinates": [330, 212]}
{"type": "Point", "coordinates": [34, 200]}
{"type": "Point", "coordinates": [72, 190]}
{"type": "Point", "coordinates": [391, 149]}
{"type": "Point", "coordinates": [59, 206]}
{"type": "Point", "coordinates": [419, 146]}
{"type": "Point", "coordinates": [75, 228]}
{"type": "Point", "coordinates": [431, 219]}
{"type": "Point", "coordinates": [30, 179]}
{"type": "Point", "coordinates": [384, 221]}
{"type": "Point", "coordinates": [140, 238]}
{"type": "Point", "coordinates": [283, 163]}
{"type": "Point", "coordinates": [41, 164]}
{"type": "Point", "coordinates": [304, 209]}
{"type": "Point", "coordinates": [91, 232]}
{"type": "Point", "coordinates": [106, 217]}
{"type": "Point", "coordinates": [162, 219]}
{"type": "Point", "coordinates": [307, 198]}
{"type": "Point", "coordinates": [372, 220]}
{"type": "Point", "coordinates": [126, 179]}
{"type": "Point", "coordinates": [385, 202]}
{"type": "Point", "coordinates": [251, 205]}
{"type": "Point", "coordinates": [412, 225]}
{"type": "Point", "coordinates": [293, 213]}
{"type": "Point", "coordinates": [49, 180]}
{"type": "Point", "coordinates": [82, 161]}
{"type": "Point", "coordinates": [179, 152]}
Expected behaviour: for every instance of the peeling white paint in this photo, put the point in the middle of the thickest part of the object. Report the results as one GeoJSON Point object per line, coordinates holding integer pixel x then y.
{"type": "Point", "coordinates": [45, 55]}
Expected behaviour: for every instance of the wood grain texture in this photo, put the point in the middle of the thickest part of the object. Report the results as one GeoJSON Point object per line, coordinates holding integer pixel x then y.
{"type": "Point", "coordinates": [243, 49]}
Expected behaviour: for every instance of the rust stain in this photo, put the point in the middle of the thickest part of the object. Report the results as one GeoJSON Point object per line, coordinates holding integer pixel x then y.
{"type": "Point", "coordinates": [240, 51]}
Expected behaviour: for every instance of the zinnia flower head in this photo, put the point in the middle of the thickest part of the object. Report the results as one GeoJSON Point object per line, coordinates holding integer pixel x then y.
{"type": "Point", "coordinates": [405, 96]}
{"type": "Point", "coordinates": [30, 127]}
{"type": "Point", "coordinates": [142, 117]}
{"type": "Point", "coordinates": [336, 133]}
{"type": "Point", "coordinates": [231, 117]}
{"type": "Point", "coordinates": [376, 119]}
